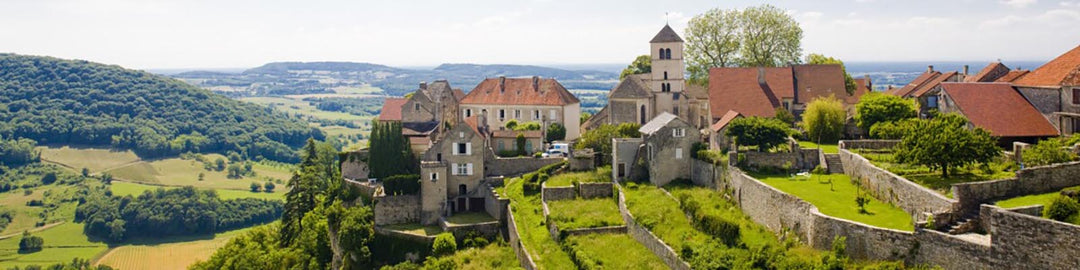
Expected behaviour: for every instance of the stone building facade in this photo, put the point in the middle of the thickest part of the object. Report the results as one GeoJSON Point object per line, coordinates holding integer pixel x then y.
{"type": "Point", "coordinates": [535, 99]}
{"type": "Point", "coordinates": [661, 155]}
{"type": "Point", "coordinates": [452, 170]}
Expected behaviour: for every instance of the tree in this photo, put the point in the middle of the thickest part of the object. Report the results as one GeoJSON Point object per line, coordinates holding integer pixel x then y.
{"type": "Point", "coordinates": [820, 59]}
{"type": "Point", "coordinates": [875, 108]}
{"type": "Point", "coordinates": [394, 153]}
{"type": "Point", "coordinates": [765, 133]}
{"type": "Point", "coordinates": [770, 37]}
{"type": "Point", "coordinates": [202, 176]}
{"type": "Point", "coordinates": [1046, 152]}
{"type": "Point", "coordinates": [555, 132]}
{"type": "Point", "coordinates": [641, 65]}
{"type": "Point", "coordinates": [824, 119]}
{"type": "Point", "coordinates": [269, 187]}
{"type": "Point", "coordinates": [444, 244]}
{"type": "Point", "coordinates": [511, 124]}
{"type": "Point", "coordinates": [30, 243]}
{"type": "Point", "coordinates": [945, 142]}
{"type": "Point", "coordinates": [599, 138]}
{"type": "Point", "coordinates": [85, 172]}
{"type": "Point", "coordinates": [235, 171]}
{"type": "Point", "coordinates": [784, 116]}
{"type": "Point", "coordinates": [255, 187]}
{"type": "Point", "coordinates": [219, 164]}
{"type": "Point", "coordinates": [520, 141]}
{"type": "Point", "coordinates": [584, 117]}
{"type": "Point", "coordinates": [712, 40]}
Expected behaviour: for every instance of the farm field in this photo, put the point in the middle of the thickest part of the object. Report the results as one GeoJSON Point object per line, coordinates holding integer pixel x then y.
{"type": "Point", "coordinates": [837, 199]}
{"type": "Point", "coordinates": [95, 159]}
{"type": "Point", "coordinates": [23, 217]}
{"type": "Point", "coordinates": [181, 172]}
{"type": "Point", "coordinates": [120, 188]}
{"type": "Point", "coordinates": [62, 243]}
{"type": "Point", "coordinates": [169, 253]}
{"type": "Point", "coordinates": [298, 106]}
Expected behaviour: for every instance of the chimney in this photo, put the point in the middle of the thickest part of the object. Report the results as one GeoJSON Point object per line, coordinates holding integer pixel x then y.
{"type": "Point", "coordinates": [930, 69]}
{"type": "Point", "coordinates": [965, 70]}
{"type": "Point", "coordinates": [423, 85]}
{"type": "Point", "coordinates": [536, 83]}
{"type": "Point", "coordinates": [502, 84]}
{"type": "Point", "coordinates": [869, 84]}
{"type": "Point", "coordinates": [761, 75]}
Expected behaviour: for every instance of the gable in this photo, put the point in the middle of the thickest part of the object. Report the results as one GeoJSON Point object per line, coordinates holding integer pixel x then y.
{"type": "Point", "coordinates": [630, 87]}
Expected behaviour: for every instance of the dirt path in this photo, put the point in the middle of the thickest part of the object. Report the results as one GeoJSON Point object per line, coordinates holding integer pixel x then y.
{"type": "Point", "coordinates": [38, 229]}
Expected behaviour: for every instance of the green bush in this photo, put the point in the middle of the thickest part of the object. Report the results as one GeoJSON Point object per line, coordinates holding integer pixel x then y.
{"type": "Point", "coordinates": [1047, 152]}
{"type": "Point", "coordinates": [820, 170]}
{"type": "Point", "coordinates": [1062, 209]}
{"type": "Point", "coordinates": [716, 226]}
{"type": "Point", "coordinates": [402, 184]}
{"type": "Point", "coordinates": [30, 243]}
{"type": "Point", "coordinates": [444, 244]}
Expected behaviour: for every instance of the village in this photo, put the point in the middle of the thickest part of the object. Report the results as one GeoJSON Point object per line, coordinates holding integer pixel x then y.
{"type": "Point", "coordinates": [659, 131]}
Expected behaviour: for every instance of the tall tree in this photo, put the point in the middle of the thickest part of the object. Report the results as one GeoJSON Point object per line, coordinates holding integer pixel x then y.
{"type": "Point", "coordinates": [876, 108]}
{"type": "Point", "coordinates": [642, 64]}
{"type": "Point", "coordinates": [391, 153]}
{"type": "Point", "coordinates": [945, 142]}
{"type": "Point", "coordinates": [765, 133]}
{"type": "Point", "coordinates": [770, 37]}
{"type": "Point", "coordinates": [303, 190]}
{"type": "Point", "coordinates": [824, 119]}
{"type": "Point", "coordinates": [712, 40]}
{"type": "Point", "coordinates": [820, 59]}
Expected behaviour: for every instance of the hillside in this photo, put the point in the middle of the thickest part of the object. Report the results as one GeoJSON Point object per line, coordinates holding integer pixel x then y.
{"type": "Point", "coordinates": [57, 101]}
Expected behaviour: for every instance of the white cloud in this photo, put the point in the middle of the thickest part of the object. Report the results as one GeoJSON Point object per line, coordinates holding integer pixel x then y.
{"type": "Point", "coordinates": [1069, 4]}
{"type": "Point", "coordinates": [1018, 3]}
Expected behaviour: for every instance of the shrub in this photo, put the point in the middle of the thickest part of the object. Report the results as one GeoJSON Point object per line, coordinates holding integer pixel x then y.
{"type": "Point", "coordinates": [402, 184]}
{"type": "Point", "coordinates": [716, 226]}
{"type": "Point", "coordinates": [555, 132]}
{"type": "Point", "coordinates": [874, 108]}
{"type": "Point", "coordinates": [1062, 209]}
{"type": "Point", "coordinates": [765, 133]}
{"type": "Point", "coordinates": [444, 244]}
{"type": "Point", "coordinates": [1047, 152]}
{"type": "Point", "coordinates": [255, 187]}
{"type": "Point", "coordinates": [820, 170]}
{"type": "Point", "coordinates": [269, 187]}
{"type": "Point", "coordinates": [862, 201]}
{"type": "Point", "coordinates": [30, 243]}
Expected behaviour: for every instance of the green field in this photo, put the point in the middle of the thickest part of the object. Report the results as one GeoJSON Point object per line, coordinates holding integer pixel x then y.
{"type": "Point", "coordinates": [181, 172]}
{"type": "Point", "coordinates": [827, 148]}
{"type": "Point", "coordinates": [298, 106]}
{"type": "Point", "coordinates": [529, 217]}
{"type": "Point", "coordinates": [120, 188]}
{"type": "Point", "coordinates": [568, 179]}
{"type": "Point", "coordinates": [496, 256]}
{"type": "Point", "coordinates": [598, 249]}
{"type": "Point", "coordinates": [95, 159]}
{"type": "Point", "coordinates": [713, 203]}
{"type": "Point", "coordinates": [62, 243]}
{"type": "Point", "coordinates": [834, 195]}
{"type": "Point", "coordinates": [580, 213]}
{"type": "Point", "coordinates": [168, 253]}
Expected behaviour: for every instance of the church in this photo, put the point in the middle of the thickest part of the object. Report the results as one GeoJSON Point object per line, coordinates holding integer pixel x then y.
{"type": "Point", "coordinates": [641, 97]}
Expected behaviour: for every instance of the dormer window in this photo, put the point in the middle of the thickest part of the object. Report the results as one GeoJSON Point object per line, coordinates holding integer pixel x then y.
{"type": "Point", "coordinates": [678, 132]}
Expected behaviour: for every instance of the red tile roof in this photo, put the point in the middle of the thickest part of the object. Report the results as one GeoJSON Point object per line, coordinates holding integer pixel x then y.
{"type": "Point", "coordinates": [1012, 76]}
{"type": "Point", "coordinates": [726, 119]}
{"type": "Point", "coordinates": [458, 94]}
{"type": "Point", "coordinates": [918, 81]}
{"type": "Point", "coordinates": [862, 86]}
{"type": "Point", "coordinates": [391, 109]}
{"type": "Point", "coordinates": [990, 73]}
{"type": "Point", "coordinates": [473, 123]}
{"type": "Point", "coordinates": [998, 108]}
{"type": "Point", "coordinates": [520, 91]}
{"type": "Point", "coordinates": [1063, 70]}
{"type": "Point", "coordinates": [815, 81]}
{"type": "Point", "coordinates": [929, 85]}
{"type": "Point", "coordinates": [737, 89]}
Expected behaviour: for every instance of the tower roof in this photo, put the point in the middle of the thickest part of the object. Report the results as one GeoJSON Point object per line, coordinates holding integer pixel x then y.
{"type": "Point", "coordinates": [666, 35]}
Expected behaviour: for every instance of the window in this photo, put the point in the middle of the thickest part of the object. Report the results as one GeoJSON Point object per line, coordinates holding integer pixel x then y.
{"type": "Point", "coordinates": [642, 114]}
{"type": "Point", "coordinates": [517, 114]}
{"type": "Point", "coordinates": [502, 145]}
{"type": "Point", "coordinates": [536, 114]}
{"type": "Point", "coordinates": [622, 170]}
{"type": "Point", "coordinates": [553, 115]}
{"type": "Point", "coordinates": [462, 189]}
{"type": "Point", "coordinates": [502, 114]}
{"type": "Point", "coordinates": [678, 132]}
{"type": "Point", "coordinates": [434, 177]}
{"type": "Point", "coordinates": [931, 101]}
{"type": "Point", "coordinates": [1076, 95]}
{"type": "Point", "coordinates": [661, 53]}
{"type": "Point", "coordinates": [678, 153]}
{"type": "Point", "coordinates": [438, 156]}
{"type": "Point", "coordinates": [462, 168]}
{"type": "Point", "coordinates": [416, 106]}
{"type": "Point", "coordinates": [675, 97]}
{"type": "Point", "coordinates": [463, 149]}
{"type": "Point", "coordinates": [667, 52]}
{"type": "Point", "coordinates": [665, 75]}
{"type": "Point", "coordinates": [468, 112]}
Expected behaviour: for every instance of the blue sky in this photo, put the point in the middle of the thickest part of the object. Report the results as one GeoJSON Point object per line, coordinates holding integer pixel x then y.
{"type": "Point", "coordinates": [227, 34]}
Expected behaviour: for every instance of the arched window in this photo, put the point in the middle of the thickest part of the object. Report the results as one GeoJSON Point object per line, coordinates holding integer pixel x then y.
{"type": "Point", "coordinates": [661, 53]}
{"type": "Point", "coordinates": [642, 114]}
{"type": "Point", "coordinates": [665, 75]}
{"type": "Point", "coordinates": [668, 53]}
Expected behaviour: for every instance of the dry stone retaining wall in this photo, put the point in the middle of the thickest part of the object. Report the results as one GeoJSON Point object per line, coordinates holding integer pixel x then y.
{"type": "Point", "coordinates": [648, 239]}
{"type": "Point", "coordinates": [516, 166]}
{"type": "Point", "coordinates": [548, 194]}
{"type": "Point", "coordinates": [595, 190]}
{"type": "Point", "coordinates": [524, 259]}
{"type": "Point", "coordinates": [800, 159]}
{"type": "Point", "coordinates": [869, 144]}
{"type": "Point", "coordinates": [1035, 180]}
{"type": "Point", "coordinates": [891, 188]}
{"type": "Point", "coordinates": [397, 209]}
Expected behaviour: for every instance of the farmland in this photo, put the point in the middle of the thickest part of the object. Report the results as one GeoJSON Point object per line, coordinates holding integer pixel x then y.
{"type": "Point", "coordinates": [169, 253]}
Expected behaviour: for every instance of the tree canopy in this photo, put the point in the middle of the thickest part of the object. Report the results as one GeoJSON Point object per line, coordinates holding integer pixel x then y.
{"type": "Point", "coordinates": [945, 142]}
{"type": "Point", "coordinates": [78, 102]}
{"type": "Point", "coordinates": [757, 36]}
{"type": "Point", "coordinates": [391, 152]}
{"type": "Point", "coordinates": [599, 139]}
{"type": "Point", "coordinates": [765, 133]}
{"type": "Point", "coordinates": [875, 108]}
{"type": "Point", "coordinates": [824, 119]}
{"type": "Point", "coordinates": [642, 64]}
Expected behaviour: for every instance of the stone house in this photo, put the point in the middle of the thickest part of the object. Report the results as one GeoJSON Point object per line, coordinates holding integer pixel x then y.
{"type": "Point", "coordinates": [534, 99]}
{"type": "Point", "coordinates": [506, 140]}
{"type": "Point", "coordinates": [717, 138]}
{"type": "Point", "coordinates": [662, 154]}
{"type": "Point", "coordinates": [451, 172]}
{"type": "Point", "coordinates": [425, 113]}
{"type": "Point", "coordinates": [1054, 89]}
{"type": "Point", "coordinates": [641, 97]}
{"type": "Point", "coordinates": [926, 87]}
{"type": "Point", "coordinates": [997, 108]}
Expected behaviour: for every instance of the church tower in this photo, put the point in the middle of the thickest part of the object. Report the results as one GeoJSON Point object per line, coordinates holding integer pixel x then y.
{"type": "Point", "coordinates": [666, 80]}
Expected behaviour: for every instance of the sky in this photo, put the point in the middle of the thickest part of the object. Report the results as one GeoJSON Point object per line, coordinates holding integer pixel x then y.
{"type": "Point", "coordinates": [150, 34]}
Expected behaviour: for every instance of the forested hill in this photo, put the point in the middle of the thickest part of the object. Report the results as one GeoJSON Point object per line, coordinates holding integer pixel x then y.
{"type": "Point", "coordinates": [78, 102]}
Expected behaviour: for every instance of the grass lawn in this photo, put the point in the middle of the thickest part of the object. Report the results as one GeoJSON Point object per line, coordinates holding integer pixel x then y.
{"type": "Point", "coordinates": [134, 189]}
{"type": "Point", "coordinates": [710, 201]}
{"type": "Point", "coordinates": [825, 147]}
{"type": "Point", "coordinates": [599, 249]}
{"type": "Point", "coordinates": [493, 256]}
{"type": "Point", "coordinates": [568, 179]}
{"type": "Point", "coordinates": [998, 169]}
{"type": "Point", "coordinates": [661, 215]}
{"type": "Point", "coordinates": [839, 201]}
{"type": "Point", "coordinates": [62, 244]}
{"type": "Point", "coordinates": [469, 218]}
{"type": "Point", "coordinates": [529, 217]}
{"type": "Point", "coordinates": [580, 213]}
{"type": "Point", "coordinates": [415, 228]}
{"type": "Point", "coordinates": [181, 172]}
{"type": "Point", "coordinates": [167, 253]}
{"type": "Point", "coordinates": [1029, 200]}
{"type": "Point", "coordinates": [24, 217]}
{"type": "Point", "coordinates": [95, 159]}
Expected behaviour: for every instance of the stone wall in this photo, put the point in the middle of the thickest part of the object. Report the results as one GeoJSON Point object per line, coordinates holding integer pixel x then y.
{"type": "Point", "coordinates": [868, 144]}
{"type": "Point", "coordinates": [488, 229]}
{"type": "Point", "coordinates": [863, 241]}
{"type": "Point", "coordinates": [397, 209]}
{"type": "Point", "coordinates": [799, 159]}
{"type": "Point", "coordinates": [404, 235]}
{"type": "Point", "coordinates": [648, 239]}
{"type": "Point", "coordinates": [891, 188]}
{"type": "Point", "coordinates": [548, 194]}
{"type": "Point", "coordinates": [705, 174]}
{"type": "Point", "coordinates": [770, 207]}
{"type": "Point", "coordinates": [595, 190]}
{"type": "Point", "coordinates": [524, 259]}
{"type": "Point", "coordinates": [950, 252]}
{"type": "Point", "coordinates": [494, 205]}
{"type": "Point", "coordinates": [516, 166]}
{"type": "Point", "coordinates": [1023, 241]}
{"type": "Point", "coordinates": [1035, 180]}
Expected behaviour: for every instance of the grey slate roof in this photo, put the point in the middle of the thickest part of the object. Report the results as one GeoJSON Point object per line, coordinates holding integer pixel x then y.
{"type": "Point", "coordinates": [666, 35]}
{"type": "Point", "coordinates": [631, 87]}
{"type": "Point", "coordinates": [657, 123]}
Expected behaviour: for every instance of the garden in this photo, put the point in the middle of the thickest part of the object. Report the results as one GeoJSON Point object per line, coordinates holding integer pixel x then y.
{"type": "Point", "coordinates": [997, 168]}
{"type": "Point", "coordinates": [582, 213]}
{"type": "Point", "coordinates": [837, 196]}
{"type": "Point", "coordinates": [602, 174]}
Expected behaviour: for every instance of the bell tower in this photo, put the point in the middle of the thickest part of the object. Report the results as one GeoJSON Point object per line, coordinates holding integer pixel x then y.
{"type": "Point", "coordinates": [666, 80]}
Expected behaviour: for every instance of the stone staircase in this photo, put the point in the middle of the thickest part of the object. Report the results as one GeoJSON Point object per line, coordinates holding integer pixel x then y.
{"type": "Point", "coordinates": [832, 161]}
{"type": "Point", "coordinates": [966, 224]}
